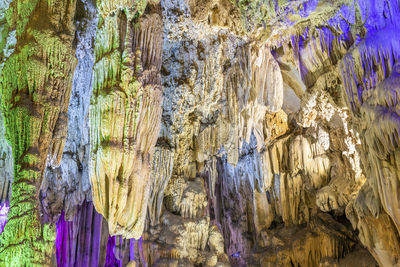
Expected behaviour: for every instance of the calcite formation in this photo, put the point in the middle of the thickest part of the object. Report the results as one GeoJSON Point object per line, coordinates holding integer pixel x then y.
{"type": "Point", "coordinates": [65, 187]}
{"type": "Point", "coordinates": [80, 241]}
{"type": "Point", "coordinates": [35, 86]}
{"type": "Point", "coordinates": [200, 133]}
{"type": "Point", "coordinates": [184, 233]}
{"type": "Point", "coordinates": [125, 111]}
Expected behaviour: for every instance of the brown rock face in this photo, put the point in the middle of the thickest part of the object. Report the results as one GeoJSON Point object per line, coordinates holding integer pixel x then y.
{"type": "Point", "coordinates": [125, 112]}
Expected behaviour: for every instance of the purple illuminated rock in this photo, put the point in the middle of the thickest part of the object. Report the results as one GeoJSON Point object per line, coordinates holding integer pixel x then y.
{"type": "Point", "coordinates": [83, 241]}
{"type": "Point", "coordinates": [3, 215]}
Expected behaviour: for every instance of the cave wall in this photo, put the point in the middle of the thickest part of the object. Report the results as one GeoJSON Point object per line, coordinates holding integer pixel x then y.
{"type": "Point", "coordinates": [211, 133]}
{"type": "Point", "coordinates": [35, 88]}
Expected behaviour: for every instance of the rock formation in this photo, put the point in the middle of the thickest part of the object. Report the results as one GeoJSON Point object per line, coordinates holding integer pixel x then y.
{"type": "Point", "coordinates": [67, 186]}
{"type": "Point", "coordinates": [125, 111]}
{"type": "Point", "coordinates": [80, 242]}
{"type": "Point", "coordinates": [200, 133]}
{"type": "Point", "coordinates": [35, 87]}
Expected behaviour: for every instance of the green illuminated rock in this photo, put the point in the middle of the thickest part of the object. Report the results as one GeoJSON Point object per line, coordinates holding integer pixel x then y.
{"type": "Point", "coordinates": [35, 85]}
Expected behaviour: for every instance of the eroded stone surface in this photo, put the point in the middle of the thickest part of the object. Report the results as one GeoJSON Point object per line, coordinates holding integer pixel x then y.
{"type": "Point", "coordinates": [274, 141]}
{"type": "Point", "coordinates": [270, 167]}
{"type": "Point", "coordinates": [64, 188]}
{"type": "Point", "coordinates": [125, 112]}
{"type": "Point", "coordinates": [35, 86]}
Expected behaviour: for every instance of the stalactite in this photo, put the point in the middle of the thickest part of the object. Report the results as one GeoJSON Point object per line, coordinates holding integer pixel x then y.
{"type": "Point", "coordinates": [111, 260]}
{"type": "Point", "coordinates": [161, 171]}
{"type": "Point", "coordinates": [370, 74]}
{"type": "Point", "coordinates": [226, 119]}
{"type": "Point", "coordinates": [35, 85]}
{"type": "Point", "coordinates": [219, 132]}
{"type": "Point", "coordinates": [7, 47]}
{"type": "Point", "coordinates": [81, 242]}
{"type": "Point", "coordinates": [125, 112]}
{"type": "Point", "coordinates": [6, 165]}
{"type": "Point", "coordinates": [67, 186]}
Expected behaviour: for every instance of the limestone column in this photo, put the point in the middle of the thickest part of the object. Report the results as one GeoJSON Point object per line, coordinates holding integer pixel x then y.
{"type": "Point", "coordinates": [35, 86]}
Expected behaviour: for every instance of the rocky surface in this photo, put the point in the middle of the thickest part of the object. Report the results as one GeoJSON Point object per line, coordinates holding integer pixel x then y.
{"type": "Point", "coordinates": [125, 112]}
{"type": "Point", "coordinates": [35, 86]}
{"type": "Point", "coordinates": [206, 133]}
{"type": "Point", "coordinates": [67, 186]}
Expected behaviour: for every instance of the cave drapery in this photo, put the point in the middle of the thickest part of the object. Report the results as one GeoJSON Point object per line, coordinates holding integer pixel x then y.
{"type": "Point", "coordinates": [200, 133]}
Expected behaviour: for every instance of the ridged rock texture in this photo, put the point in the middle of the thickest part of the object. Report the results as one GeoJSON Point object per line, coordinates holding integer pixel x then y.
{"type": "Point", "coordinates": [35, 86]}
{"type": "Point", "coordinates": [80, 242]}
{"type": "Point", "coordinates": [66, 186]}
{"type": "Point", "coordinates": [200, 133]}
{"type": "Point", "coordinates": [125, 111]}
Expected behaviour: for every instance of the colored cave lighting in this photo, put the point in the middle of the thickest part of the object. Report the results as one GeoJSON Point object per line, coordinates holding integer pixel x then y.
{"type": "Point", "coordinates": [132, 250]}
{"type": "Point", "coordinates": [111, 257]}
{"type": "Point", "coordinates": [4, 208]}
{"type": "Point", "coordinates": [62, 240]}
{"type": "Point", "coordinates": [111, 260]}
{"type": "Point", "coordinates": [199, 133]}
